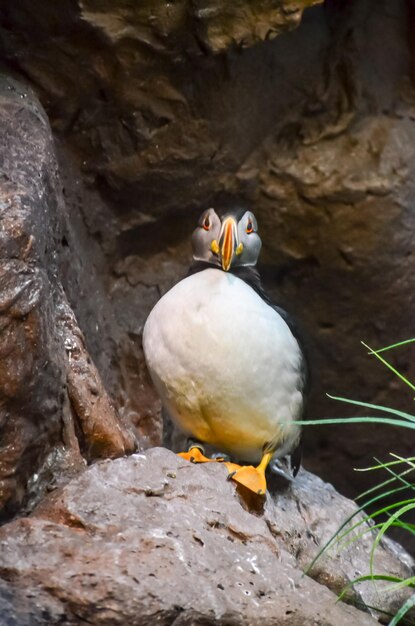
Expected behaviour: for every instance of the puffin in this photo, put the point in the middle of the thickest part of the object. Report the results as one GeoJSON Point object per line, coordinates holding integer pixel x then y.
{"type": "Point", "coordinates": [226, 362]}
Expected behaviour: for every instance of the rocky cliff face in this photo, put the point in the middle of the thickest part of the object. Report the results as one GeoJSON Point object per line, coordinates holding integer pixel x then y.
{"type": "Point", "coordinates": [54, 410]}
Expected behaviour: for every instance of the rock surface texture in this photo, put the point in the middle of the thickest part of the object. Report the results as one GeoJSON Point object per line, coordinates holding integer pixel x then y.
{"type": "Point", "coordinates": [153, 539]}
{"type": "Point", "coordinates": [54, 410]}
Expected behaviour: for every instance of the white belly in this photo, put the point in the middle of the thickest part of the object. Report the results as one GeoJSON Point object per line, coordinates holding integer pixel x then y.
{"type": "Point", "coordinates": [226, 365]}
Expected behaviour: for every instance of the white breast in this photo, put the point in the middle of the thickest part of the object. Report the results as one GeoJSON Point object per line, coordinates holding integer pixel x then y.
{"type": "Point", "coordinates": [225, 364]}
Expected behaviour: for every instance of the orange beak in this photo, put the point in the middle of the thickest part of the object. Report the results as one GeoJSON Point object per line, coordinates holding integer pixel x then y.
{"type": "Point", "coordinates": [227, 242]}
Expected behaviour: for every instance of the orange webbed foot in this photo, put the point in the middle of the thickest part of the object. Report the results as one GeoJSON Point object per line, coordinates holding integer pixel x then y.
{"type": "Point", "coordinates": [253, 478]}
{"type": "Point", "coordinates": [250, 477]}
{"type": "Point", "coordinates": [195, 455]}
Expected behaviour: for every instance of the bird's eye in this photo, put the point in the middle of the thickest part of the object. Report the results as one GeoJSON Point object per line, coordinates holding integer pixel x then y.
{"type": "Point", "coordinates": [250, 227]}
{"type": "Point", "coordinates": [206, 223]}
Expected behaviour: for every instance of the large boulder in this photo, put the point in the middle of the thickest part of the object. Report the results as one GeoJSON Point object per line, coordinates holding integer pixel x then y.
{"type": "Point", "coordinates": [54, 410]}
{"type": "Point", "coordinates": [154, 539]}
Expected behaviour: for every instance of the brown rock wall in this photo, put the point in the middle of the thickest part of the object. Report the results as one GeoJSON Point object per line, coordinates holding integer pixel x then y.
{"type": "Point", "coordinates": [49, 387]}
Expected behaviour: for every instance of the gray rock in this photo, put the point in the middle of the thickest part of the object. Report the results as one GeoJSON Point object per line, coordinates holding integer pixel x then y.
{"type": "Point", "coordinates": [153, 539]}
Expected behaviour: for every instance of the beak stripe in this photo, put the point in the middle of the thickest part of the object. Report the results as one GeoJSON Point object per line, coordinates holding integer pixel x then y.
{"type": "Point", "coordinates": [228, 246]}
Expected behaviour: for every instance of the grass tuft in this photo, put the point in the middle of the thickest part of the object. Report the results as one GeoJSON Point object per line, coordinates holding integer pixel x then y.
{"type": "Point", "coordinates": [399, 473]}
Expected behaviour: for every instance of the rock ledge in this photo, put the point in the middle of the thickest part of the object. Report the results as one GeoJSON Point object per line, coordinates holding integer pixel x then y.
{"type": "Point", "coordinates": [152, 539]}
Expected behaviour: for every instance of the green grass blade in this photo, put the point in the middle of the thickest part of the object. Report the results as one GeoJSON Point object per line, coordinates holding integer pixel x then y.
{"type": "Point", "coordinates": [403, 509]}
{"type": "Point", "coordinates": [390, 366]}
{"type": "Point", "coordinates": [400, 477]}
{"type": "Point", "coordinates": [343, 545]}
{"type": "Point", "coordinates": [332, 539]}
{"type": "Point", "coordinates": [385, 465]}
{"type": "Point", "coordinates": [371, 577]}
{"type": "Point", "coordinates": [403, 611]}
{"type": "Point", "coordinates": [383, 511]}
{"type": "Point", "coordinates": [394, 345]}
{"type": "Point", "coordinates": [402, 524]}
{"type": "Point", "coordinates": [410, 460]}
{"type": "Point", "coordinates": [382, 464]}
{"type": "Point", "coordinates": [384, 484]}
{"type": "Point", "coordinates": [406, 582]}
{"type": "Point", "coordinates": [357, 420]}
{"type": "Point", "coordinates": [376, 407]}
{"type": "Point", "coordinates": [394, 484]}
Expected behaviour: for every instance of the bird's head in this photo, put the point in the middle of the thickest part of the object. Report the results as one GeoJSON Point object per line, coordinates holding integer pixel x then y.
{"type": "Point", "coordinates": [230, 240]}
